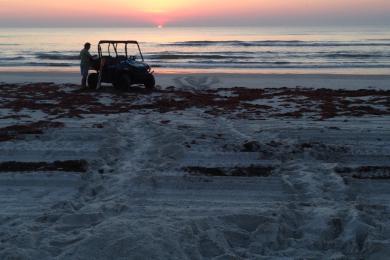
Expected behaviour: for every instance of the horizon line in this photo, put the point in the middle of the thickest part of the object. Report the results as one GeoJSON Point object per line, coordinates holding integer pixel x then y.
{"type": "Point", "coordinates": [189, 26]}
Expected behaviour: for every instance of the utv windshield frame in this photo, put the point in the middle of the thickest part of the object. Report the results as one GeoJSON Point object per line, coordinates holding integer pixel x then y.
{"type": "Point", "coordinates": [113, 48]}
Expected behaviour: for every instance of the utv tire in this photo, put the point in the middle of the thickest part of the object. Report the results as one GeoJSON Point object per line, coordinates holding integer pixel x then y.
{"type": "Point", "coordinates": [123, 83]}
{"type": "Point", "coordinates": [93, 79]}
{"type": "Point", "coordinates": [150, 82]}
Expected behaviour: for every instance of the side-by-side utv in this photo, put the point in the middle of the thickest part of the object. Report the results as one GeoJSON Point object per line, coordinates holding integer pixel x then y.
{"type": "Point", "coordinates": [120, 63]}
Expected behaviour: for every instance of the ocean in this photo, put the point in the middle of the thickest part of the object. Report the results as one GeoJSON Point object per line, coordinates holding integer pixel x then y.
{"type": "Point", "coordinates": [357, 50]}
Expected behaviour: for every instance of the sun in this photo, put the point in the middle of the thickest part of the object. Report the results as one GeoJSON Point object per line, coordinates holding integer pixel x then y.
{"type": "Point", "coordinates": [161, 12]}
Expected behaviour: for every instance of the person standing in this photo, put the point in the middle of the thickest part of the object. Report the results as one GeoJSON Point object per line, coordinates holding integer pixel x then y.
{"type": "Point", "coordinates": [85, 63]}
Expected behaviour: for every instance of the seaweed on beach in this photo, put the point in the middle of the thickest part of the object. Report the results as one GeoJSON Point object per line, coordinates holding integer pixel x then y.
{"type": "Point", "coordinates": [64, 166]}
{"type": "Point", "coordinates": [14, 131]}
{"type": "Point", "coordinates": [365, 172]}
{"type": "Point", "coordinates": [67, 101]}
{"type": "Point", "coordinates": [251, 171]}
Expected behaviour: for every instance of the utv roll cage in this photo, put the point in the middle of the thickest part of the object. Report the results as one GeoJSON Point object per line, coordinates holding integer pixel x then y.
{"type": "Point", "coordinates": [115, 65]}
{"type": "Point", "coordinates": [113, 47]}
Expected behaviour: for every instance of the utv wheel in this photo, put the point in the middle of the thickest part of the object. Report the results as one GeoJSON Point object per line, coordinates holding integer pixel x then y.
{"type": "Point", "coordinates": [93, 80]}
{"type": "Point", "coordinates": [123, 83]}
{"type": "Point", "coordinates": [150, 82]}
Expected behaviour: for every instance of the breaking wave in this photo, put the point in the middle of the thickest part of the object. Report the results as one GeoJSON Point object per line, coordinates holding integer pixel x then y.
{"type": "Point", "coordinates": [180, 56]}
{"type": "Point", "coordinates": [277, 43]}
{"type": "Point", "coordinates": [11, 58]}
{"type": "Point", "coordinates": [37, 64]}
{"type": "Point", "coordinates": [56, 56]}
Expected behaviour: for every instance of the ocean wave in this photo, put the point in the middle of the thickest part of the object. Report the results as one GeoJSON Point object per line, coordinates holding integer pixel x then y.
{"type": "Point", "coordinates": [195, 56]}
{"type": "Point", "coordinates": [48, 64]}
{"type": "Point", "coordinates": [37, 64]}
{"type": "Point", "coordinates": [228, 64]}
{"type": "Point", "coordinates": [254, 63]}
{"type": "Point", "coordinates": [267, 55]}
{"type": "Point", "coordinates": [269, 66]}
{"type": "Point", "coordinates": [56, 56]}
{"type": "Point", "coordinates": [158, 55]}
{"type": "Point", "coordinates": [11, 58]}
{"type": "Point", "coordinates": [294, 43]}
{"type": "Point", "coordinates": [229, 56]}
{"type": "Point", "coordinates": [355, 55]}
{"type": "Point", "coordinates": [380, 39]}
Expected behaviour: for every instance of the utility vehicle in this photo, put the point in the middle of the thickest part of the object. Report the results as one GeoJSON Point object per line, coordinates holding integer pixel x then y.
{"type": "Point", "coordinates": [120, 63]}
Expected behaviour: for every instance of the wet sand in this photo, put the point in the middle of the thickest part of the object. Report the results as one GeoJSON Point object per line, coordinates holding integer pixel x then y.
{"type": "Point", "coordinates": [219, 80]}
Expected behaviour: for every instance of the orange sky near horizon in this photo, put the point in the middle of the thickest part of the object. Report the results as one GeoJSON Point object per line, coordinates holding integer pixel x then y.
{"type": "Point", "coordinates": [178, 11]}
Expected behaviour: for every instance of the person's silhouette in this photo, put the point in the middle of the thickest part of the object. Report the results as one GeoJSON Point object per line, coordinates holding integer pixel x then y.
{"type": "Point", "coordinates": [85, 63]}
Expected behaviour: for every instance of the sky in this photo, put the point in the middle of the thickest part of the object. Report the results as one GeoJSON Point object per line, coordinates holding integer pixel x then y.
{"type": "Point", "coordinates": [193, 12]}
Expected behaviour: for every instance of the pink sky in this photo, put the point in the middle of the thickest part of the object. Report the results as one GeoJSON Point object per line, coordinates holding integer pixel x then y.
{"type": "Point", "coordinates": [193, 12]}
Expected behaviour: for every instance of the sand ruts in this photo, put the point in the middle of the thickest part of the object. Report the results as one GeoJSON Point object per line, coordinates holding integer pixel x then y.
{"type": "Point", "coordinates": [199, 174]}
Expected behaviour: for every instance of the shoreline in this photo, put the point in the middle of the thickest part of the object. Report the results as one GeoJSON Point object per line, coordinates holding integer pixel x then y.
{"type": "Point", "coordinates": [219, 80]}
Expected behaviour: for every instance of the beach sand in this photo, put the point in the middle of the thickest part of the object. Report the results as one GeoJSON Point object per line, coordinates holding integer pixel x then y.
{"type": "Point", "coordinates": [205, 167]}
{"type": "Point", "coordinates": [222, 80]}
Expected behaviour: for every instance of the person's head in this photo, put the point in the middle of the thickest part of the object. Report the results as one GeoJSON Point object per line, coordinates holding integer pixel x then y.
{"type": "Point", "coordinates": [87, 46]}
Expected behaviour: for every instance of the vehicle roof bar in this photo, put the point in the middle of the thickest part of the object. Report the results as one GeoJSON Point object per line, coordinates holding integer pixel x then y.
{"type": "Point", "coordinates": [115, 45]}
{"type": "Point", "coordinates": [106, 41]}
{"type": "Point", "coordinates": [140, 52]}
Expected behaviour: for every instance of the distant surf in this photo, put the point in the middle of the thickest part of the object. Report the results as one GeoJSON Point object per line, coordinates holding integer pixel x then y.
{"type": "Point", "coordinates": [279, 43]}
{"type": "Point", "coordinates": [209, 48]}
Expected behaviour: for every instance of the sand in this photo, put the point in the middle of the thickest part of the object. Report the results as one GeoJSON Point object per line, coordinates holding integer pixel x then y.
{"type": "Point", "coordinates": [222, 80]}
{"type": "Point", "coordinates": [194, 173]}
